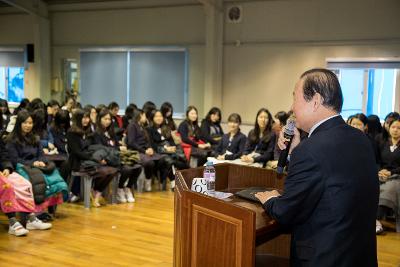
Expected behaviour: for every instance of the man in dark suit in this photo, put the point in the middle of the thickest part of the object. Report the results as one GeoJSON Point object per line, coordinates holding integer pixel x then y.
{"type": "Point", "coordinates": [331, 191]}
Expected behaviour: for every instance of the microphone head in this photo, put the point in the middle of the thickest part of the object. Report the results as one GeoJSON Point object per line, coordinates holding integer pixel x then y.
{"type": "Point", "coordinates": [290, 125]}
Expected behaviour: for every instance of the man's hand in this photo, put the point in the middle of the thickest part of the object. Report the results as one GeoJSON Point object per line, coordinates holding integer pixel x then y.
{"type": "Point", "coordinates": [221, 157]}
{"type": "Point", "coordinates": [295, 141]}
{"type": "Point", "coordinates": [265, 196]}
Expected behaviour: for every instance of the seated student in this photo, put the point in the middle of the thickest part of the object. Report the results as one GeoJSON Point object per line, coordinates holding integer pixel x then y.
{"type": "Point", "coordinates": [129, 112]}
{"type": "Point", "coordinates": [26, 154]}
{"type": "Point", "coordinates": [52, 108]}
{"type": "Point", "coordinates": [16, 197]}
{"type": "Point", "coordinates": [280, 119]}
{"type": "Point", "coordinates": [58, 129]}
{"type": "Point", "coordinates": [192, 139]}
{"type": "Point", "coordinates": [384, 136]}
{"type": "Point", "coordinates": [137, 139]}
{"type": "Point", "coordinates": [93, 116]}
{"type": "Point", "coordinates": [79, 139]}
{"type": "Point", "coordinates": [69, 103]}
{"type": "Point", "coordinates": [168, 111]}
{"type": "Point", "coordinates": [5, 116]}
{"type": "Point", "coordinates": [105, 136]}
{"type": "Point", "coordinates": [389, 174]}
{"type": "Point", "coordinates": [22, 105]}
{"type": "Point", "coordinates": [360, 121]}
{"type": "Point", "coordinates": [211, 129]}
{"type": "Point", "coordinates": [260, 141]}
{"type": "Point", "coordinates": [36, 104]}
{"type": "Point", "coordinates": [40, 130]}
{"type": "Point", "coordinates": [233, 143]}
{"type": "Point", "coordinates": [117, 122]}
{"type": "Point", "coordinates": [374, 126]}
{"type": "Point", "coordinates": [147, 108]}
{"type": "Point", "coordinates": [162, 142]}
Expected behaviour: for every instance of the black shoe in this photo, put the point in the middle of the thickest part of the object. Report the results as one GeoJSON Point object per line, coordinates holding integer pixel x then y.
{"type": "Point", "coordinates": [45, 217]}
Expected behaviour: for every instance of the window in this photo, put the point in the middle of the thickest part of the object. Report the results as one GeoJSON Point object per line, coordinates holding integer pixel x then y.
{"type": "Point", "coordinates": [368, 86]}
{"type": "Point", "coordinates": [12, 84]}
{"type": "Point", "coordinates": [134, 75]}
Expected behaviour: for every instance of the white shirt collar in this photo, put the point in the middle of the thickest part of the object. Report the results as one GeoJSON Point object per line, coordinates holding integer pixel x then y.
{"type": "Point", "coordinates": [319, 123]}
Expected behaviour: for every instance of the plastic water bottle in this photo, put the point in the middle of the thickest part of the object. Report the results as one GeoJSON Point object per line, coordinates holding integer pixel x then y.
{"type": "Point", "coordinates": [209, 174]}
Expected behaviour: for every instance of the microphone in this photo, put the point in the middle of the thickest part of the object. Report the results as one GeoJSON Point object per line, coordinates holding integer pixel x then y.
{"type": "Point", "coordinates": [288, 133]}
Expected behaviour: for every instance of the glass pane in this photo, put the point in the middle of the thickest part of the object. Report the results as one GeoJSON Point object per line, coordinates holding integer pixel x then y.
{"type": "Point", "coordinates": [352, 83]}
{"type": "Point", "coordinates": [158, 77]}
{"type": "Point", "coordinates": [15, 84]}
{"type": "Point", "coordinates": [381, 89]}
{"type": "Point", "coordinates": [3, 82]}
{"type": "Point", "coordinates": [103, 78]}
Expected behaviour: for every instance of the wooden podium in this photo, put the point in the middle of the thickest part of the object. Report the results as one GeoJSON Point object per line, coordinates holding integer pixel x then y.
{"type": "Point", "coordinates": [225, 233]}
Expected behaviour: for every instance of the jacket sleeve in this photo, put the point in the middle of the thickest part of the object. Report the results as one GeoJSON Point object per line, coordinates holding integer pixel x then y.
{"type": "Point", "coordinates": [5, 162]}
{"type": "Point", "coordinates": [75, 149]}
{"type": "Point", "coordinates": [131, 139]}
{"type": "Point", "coordinates": [40, 154]}
{"type": "Point", "coordinates": [184, 132]}
{"type": "Point", "coordinates": [268, 153]}
{"type": "Point", "coordinates": [242, 143]}
{"type": "Point", "coordinates": [205, 133]}
{"type": "Point", "coordinates": [302, 191]}
{"type": "Point", "coordinates": [220, 148]}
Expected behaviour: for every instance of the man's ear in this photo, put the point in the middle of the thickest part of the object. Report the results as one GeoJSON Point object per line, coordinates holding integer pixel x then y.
{"type": "Point", "coordinates": [317, 101]}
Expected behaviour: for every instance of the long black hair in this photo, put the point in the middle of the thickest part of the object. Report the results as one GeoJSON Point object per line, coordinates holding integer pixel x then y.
{"type": "Point", "coordinates": [165, 130]}
{"type": "Point", "coordinates": [166, 108]}
{"type": "Point", "coordinates": [22, 105]}
{"type": "Point", "coordinates": [392, 116]}
{"type": "Point", "coordinates": [4, 104]}
{"type": "Point", "coordinates": [39, 122]}
{"type": "Point", "coordinates": [129, 113]}
{"type": "Point", "coordinates": [17, 135]}
{"type": "Point", "coordinates": [77, 126]}
{"type": "Point", "coordinates": [390, 124]}
{"type": "Point", "coordinates": [61, 122]}
{"type": "Point", "coordinates": [254, 135]}
{"type": "Point", "coordinates": [99, 127]}
{"type": "Point", "coordinates": [194, 128]}
{"type": "Point", "coordinates": [374, 126]}
{"type": "Point", "coordinates": [212, 111]}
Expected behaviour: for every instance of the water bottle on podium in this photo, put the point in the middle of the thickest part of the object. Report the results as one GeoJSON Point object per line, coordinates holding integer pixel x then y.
{"type": "Point", "coordinates": [209, 175]}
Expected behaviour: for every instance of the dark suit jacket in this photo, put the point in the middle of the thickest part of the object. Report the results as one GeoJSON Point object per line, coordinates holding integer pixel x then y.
{"type": "Point", "coordinates": [236, 146]}
{"type": "Point", "coordinates": [330, 198]}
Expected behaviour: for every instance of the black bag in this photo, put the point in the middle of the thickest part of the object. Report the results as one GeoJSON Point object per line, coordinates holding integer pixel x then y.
{"type": "Point", "coordinates": [38, 182]}
{"type": "Point", "coordinates": [49, 168]}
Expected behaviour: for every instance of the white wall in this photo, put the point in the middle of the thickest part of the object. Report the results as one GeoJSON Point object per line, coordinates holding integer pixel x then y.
{"type": "Point", "coordinates": [278, 41]}
{"type": "Point", "coordinates": [281, 39]}
{"type": "Point", "coordinates": [181, 26]}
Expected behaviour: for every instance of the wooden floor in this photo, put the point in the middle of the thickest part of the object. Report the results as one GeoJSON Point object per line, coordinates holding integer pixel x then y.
{"type": "Point", "coordinates": [139, 234]}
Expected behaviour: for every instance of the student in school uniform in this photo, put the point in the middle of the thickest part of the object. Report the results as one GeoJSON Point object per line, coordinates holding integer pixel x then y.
{"type": "Point", "coordinates": [26, 152]}
{"type": "Point", "coordinates": [260, 141]}
{"type": "Point", "coordinates": [79, 138]}
{"type": "Point", "coordinates": [163, 143]}
{"type": "Point", "coordinates": [167, 111]}
{"type": "Point", "coordinates": [137, 139]}
{"type": "Point", "coordinates": [16, 197]}
{"type": "Point", "coordinates": [105, 136]}
{"type": "Point", "coordinates": [233, 143]}
{"type": "Point", "coordinates": [389, 174]}
{"type": "Point", "coordinates": [194, 143]}
{"type": "Point", "coordinates": [211, 129]}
